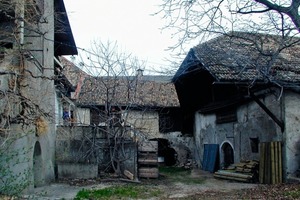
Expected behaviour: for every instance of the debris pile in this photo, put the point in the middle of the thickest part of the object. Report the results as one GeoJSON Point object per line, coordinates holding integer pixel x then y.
{"type": "Point", "coordinates": [245, 171]}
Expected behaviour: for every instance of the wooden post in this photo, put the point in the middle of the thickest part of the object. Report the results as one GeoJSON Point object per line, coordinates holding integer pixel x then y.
{"type": "Point", "coordinates": [262, 163]}
{"type": "Point", "coordinates": [280, 162]}
{"type": "Point", "coordinates": [273, 175]}
{"type": "Point", "coordinates": [277, 163]}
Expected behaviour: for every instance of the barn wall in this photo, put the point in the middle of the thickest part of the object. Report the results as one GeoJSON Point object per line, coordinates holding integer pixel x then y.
{"type": "Point", "coordinates": [252, 122]}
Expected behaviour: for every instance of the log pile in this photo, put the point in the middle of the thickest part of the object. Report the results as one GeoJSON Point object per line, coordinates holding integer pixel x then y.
{"type": "Point", "coordinates": [245, 171]}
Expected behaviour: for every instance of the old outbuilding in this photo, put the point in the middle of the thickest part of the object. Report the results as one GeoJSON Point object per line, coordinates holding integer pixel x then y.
{"type": "Point", "coordinates": [240, 91]}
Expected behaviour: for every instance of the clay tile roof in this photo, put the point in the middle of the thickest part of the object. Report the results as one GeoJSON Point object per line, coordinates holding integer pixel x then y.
{"type": "Point", "coordinates": [237, 58]}
{"type": "Point", "coordinates": [155, 91]}
{"type": "Point", "coordinates": [71, 71]}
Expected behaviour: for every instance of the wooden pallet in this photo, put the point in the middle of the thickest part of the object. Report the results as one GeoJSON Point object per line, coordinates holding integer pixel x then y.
{"type": "Point", "coordinates": [148, 159]}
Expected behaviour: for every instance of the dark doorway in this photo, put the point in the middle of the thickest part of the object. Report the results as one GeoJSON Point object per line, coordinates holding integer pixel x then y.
{"type": "Point", "coordinates": [166, 152]}
{"type": "Point", "coordinates": [228, 154]}
{"type": "Point", "coordinates": [37, 165]}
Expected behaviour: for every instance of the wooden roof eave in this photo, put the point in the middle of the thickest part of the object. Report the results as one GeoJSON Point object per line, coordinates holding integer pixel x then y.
{"type": "Point", "coordinates": [221, 105]}
{"type": "Point", "coordinates": [207, 68]}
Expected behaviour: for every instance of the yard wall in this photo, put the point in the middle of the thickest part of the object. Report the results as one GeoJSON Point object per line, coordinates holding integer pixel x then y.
{"type": "Point", "coordinates": [89, 145]}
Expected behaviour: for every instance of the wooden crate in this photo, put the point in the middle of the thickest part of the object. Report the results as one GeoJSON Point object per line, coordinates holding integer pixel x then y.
{"type": "Point", "coordinates": [148, 159]}
{"type": "Point", "coordinates": [148, 146]}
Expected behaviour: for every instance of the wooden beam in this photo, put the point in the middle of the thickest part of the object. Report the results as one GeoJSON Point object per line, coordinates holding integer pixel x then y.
{"type": "Point", "coordinates": [264, 107]}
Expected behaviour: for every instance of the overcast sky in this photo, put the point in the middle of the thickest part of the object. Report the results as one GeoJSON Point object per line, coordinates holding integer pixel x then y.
{"type": "Point", "coordinates": [128, 22]}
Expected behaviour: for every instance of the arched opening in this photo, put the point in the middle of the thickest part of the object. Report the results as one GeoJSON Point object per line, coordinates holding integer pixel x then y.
{"type": "Point", "coordinates": [228, 154]}
{"type": "Point", "coordinates": [165, 152]}
{"type": "Point", "coordinates": [37, 165]}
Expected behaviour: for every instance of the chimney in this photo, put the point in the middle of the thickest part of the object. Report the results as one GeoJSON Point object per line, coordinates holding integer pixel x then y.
{"type": "Point", "coordinates": [140, 72]}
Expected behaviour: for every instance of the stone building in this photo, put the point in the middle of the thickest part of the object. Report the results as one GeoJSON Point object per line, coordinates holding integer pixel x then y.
{"type": "Point", "coordinates": [33, 35]}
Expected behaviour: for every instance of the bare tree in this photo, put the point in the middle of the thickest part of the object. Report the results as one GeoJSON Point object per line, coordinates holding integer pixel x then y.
{"type": "Point", "coordinates": [113, 93]}
{"type": "Point", "coordinates": [198, 21]}
{"type": "Point", "coordinates": [204, 19]}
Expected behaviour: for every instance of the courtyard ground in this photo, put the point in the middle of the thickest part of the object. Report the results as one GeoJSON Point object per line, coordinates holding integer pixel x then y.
{"type": "Point", "coordinates": [210, 188]}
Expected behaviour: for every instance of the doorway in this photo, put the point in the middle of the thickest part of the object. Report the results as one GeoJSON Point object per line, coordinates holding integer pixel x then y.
{"type": "Point", "coordinates": [166, 152]}
{"type": "Point", "coordinates": [37, 165]}
{"type": "Point", "coordinates": [228, 154]}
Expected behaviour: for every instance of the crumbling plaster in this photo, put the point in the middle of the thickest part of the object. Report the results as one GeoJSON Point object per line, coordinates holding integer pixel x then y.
{"type": "Point", "coordinates": [252, 122]}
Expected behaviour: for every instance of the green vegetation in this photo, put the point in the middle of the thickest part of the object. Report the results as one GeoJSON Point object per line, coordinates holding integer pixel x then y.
{"type": "Point", "coordinates": [175, 174]}
{"type": "Point", "coordinates": [141, 191]}
{"type": "Point", "coordinates": [119, 192]}
{"type": "Point", "coordinates": [13, 182]}
{"type": "Point", "coordinates": [293, 194]}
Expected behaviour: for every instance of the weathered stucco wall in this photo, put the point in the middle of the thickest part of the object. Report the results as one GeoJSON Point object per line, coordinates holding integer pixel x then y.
{"type": "Point", "coordinates": [36, 150]}
{"type": "Point", "coordinates": [146, 122]}
{"type": "Point", "coordinates": [292, 134]}
{"type": "Point", "coordinates": [252, 122]}
{"type": "Point", "coordinates": [89, 145]}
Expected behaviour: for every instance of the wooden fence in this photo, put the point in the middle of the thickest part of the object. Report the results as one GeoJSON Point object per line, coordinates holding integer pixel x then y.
{"type": "Point", "coordinates": [270, 169]}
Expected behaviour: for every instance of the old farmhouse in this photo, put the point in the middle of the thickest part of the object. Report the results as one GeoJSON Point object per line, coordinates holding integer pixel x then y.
{"type": "Point", "coordinates": [238, 92]}
{"type": "Point", "coordinates": [142, 107]}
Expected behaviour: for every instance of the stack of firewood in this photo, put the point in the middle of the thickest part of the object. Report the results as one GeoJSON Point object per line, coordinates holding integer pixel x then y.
{"type": "Point", "coordinates": [245, 171]}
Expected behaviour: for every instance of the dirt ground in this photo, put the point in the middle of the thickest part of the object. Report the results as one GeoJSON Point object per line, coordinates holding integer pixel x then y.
{"type": "Point", "coordinates": [210, 189]}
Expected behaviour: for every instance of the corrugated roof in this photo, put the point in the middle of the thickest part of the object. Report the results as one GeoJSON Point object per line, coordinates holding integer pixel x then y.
{"type": "Point", "coordinates": [243, 56]}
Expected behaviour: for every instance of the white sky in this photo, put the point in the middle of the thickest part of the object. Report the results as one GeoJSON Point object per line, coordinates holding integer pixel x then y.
{"type": "Point", "coordinates": [129, 22]}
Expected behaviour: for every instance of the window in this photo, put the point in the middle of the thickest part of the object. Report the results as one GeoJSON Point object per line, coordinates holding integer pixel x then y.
{"type": "Point", "coordinates": [170, 120]}
{"type": "Point", "coordinates": [226, 116]}
{"type": "Point", "coordinates": [254, 142]}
